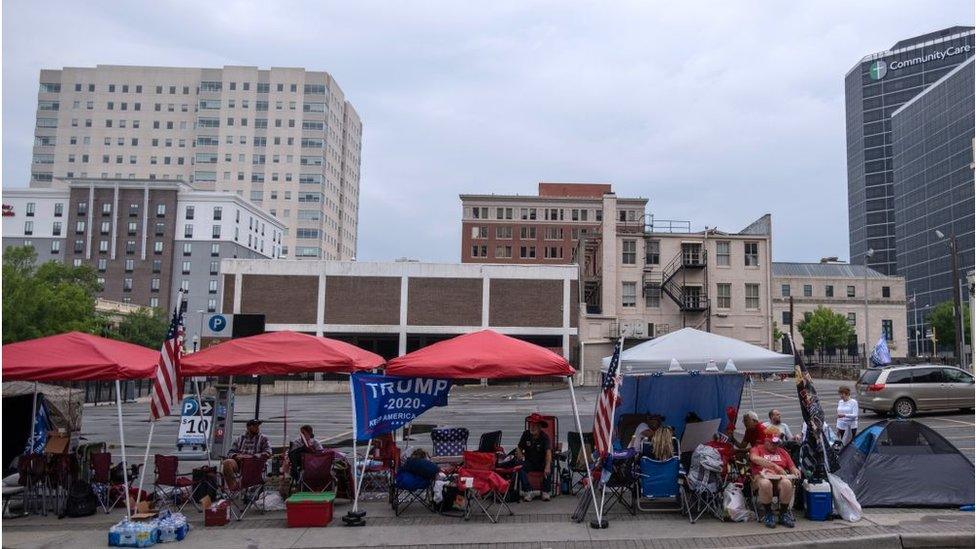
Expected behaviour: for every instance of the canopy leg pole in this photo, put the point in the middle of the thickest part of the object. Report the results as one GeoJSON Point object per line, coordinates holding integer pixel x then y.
{"type": "Point", "coordinates": [145, 460]}
{"type": "Point", "coordinates": [586, 458]}
{"type": "Point", "coordinates": [206, 444]}
{"type": "Point", "coordinates": [125, 464]}
{"type": "Point", "coordinates": [354, 517]}
{"type": "Point", "coordinates": [752, 394]}
{"type": "Point", "coordinates": [34, 421]}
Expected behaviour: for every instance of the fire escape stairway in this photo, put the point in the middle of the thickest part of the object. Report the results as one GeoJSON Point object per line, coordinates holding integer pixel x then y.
{"type": "Point", "coordinates": [672, 285]}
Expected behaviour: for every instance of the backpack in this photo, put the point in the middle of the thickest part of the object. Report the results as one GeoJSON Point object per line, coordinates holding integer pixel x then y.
{"type": "Point", "coordinates": [81, 501]}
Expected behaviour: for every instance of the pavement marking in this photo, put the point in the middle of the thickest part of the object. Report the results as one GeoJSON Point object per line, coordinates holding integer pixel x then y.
{"type": "Point", "coordinates": [969, 424]}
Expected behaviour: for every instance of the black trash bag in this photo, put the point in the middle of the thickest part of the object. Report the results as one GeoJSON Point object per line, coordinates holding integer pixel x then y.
{"type": "Point", "coordinates": [81, 501]}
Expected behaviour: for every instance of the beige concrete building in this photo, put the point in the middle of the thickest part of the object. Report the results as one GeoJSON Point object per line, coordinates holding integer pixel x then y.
{"type": "Point", "coordinates": [841, 288]}
{"type": "Point", "coordinates": [284, 138]}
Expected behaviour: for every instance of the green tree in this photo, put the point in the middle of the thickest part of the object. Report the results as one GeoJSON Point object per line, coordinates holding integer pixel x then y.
{"type": "Point", "coordinates": [944, 323]}
{"type": "Point", "coordinates": [48, 299]}
{"type": "Point", "coordinates": [146, 327]}
{"type": "Point", "coordinates": [825, 329]}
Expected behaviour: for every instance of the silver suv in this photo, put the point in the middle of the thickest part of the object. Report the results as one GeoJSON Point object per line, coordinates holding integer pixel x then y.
{"type": "Point", "coordinates": [905, 390]}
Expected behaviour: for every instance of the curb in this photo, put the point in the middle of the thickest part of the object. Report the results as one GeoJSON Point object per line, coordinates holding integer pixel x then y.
{"type": "Point", "coordinates": [939, 540]}
{"type": "Point", "coordinates": [878, 541]}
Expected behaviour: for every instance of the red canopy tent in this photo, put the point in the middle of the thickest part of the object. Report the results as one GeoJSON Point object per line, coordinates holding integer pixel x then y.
{"type": "Point", "coordinates": [485, 354]}
{"type": "Point", "coordinates": [276, 353]}
{"type": "Point", "coordinates": [77, 356]}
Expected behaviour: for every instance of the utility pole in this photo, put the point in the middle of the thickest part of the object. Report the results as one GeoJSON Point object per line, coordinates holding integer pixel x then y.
{"type": "Point", "coordinates": [956, 302]}
{"type": "Point", "coordinates": [867, 325]}
{"type": "Point", "coordinates": [915, 310]}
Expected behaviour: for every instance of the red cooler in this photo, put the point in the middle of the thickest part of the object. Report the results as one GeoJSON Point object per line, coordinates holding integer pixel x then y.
{"type": "Point", "coordinates": [310, 509]}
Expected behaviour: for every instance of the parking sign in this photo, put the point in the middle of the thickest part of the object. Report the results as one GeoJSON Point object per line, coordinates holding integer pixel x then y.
{"type": "Point", "coordinates": [218, 325]}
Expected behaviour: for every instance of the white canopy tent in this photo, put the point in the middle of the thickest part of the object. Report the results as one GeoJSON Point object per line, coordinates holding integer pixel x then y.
{"type": "Point", "coordinates": [695, 349]}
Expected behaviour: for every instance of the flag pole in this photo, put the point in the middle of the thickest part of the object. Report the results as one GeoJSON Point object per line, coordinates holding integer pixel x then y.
{"type": "Point", "coordinates": [145, 461]}
{"type": "Point", "coordinates": [34, 419]}
{"type": "Point", "coordinates": [586, 459]}
{"type": "Point", "coordinates": [125, 464]}
{"type": "Point", "coordinates": [601, 522]}
{"type": "Point", "coordinates": [354, 517]}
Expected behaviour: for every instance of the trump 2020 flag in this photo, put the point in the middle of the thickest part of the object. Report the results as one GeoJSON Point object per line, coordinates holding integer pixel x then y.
{"type": "Point", "coordinates": [386, 403]}
{"type": "Point", "coordinates": [881, 356]}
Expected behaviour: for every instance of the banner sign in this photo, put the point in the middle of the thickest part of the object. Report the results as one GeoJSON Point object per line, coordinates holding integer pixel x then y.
{"type": "Point", "coordinates": [195, 430]}
{"type": "Point", "coordinates": [386, 403]}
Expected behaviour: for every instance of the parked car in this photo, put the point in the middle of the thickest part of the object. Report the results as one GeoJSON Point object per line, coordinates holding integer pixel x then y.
{"type": "Point", "coordinates": [905, 390]}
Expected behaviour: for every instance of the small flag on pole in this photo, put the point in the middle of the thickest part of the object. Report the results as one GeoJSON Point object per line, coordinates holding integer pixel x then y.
{"type": "Point", "coordinates": [881, 356]}
{"type": "Point", "coordinates": [603, 419]}
{"type": "Point", "coordinates": [168, 385]}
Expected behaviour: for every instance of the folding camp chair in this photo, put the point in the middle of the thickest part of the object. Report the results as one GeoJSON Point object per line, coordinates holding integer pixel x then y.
{"type": "Point", "coordinates": [380, 464]}
{"type": "Point", "coordinates": [449, 442]}
{"type": "Point", "coordinates": [490, 442]}
{"type": "Point", "coordinates": [702, 487]}
{"type": "Point", "coordinates": [576, 463]}
{"type": "Point", "coordinates": [101, 480]}
{"type": "Point", "coordinates": [250, 487]}
{"type": "Point", "coordinates": [621, 486]}
{"type": "Point", "coordinates": [659, 480]}
{"type": "Point", "coordinates": [552, 431]}
{"type": "Point", "coordinates": [488, 489]}
{"type": "Point", "coordinates": [171, 488]}
{"type": "Point", "coordinates": [62, 470]}
{"type": "Point", "coordinates": [34, 479]}
{"type": "Point", "coordinates": [407, 489]}
{"type": "Point", "coordinates": [316, 475]}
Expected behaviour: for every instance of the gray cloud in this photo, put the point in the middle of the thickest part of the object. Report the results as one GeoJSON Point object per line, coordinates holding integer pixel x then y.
{"type": "Point", "coordinates": [717, 112]}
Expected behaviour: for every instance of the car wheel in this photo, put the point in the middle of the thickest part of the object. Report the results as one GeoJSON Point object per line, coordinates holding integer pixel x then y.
{"type": "Point", "coordinates": [904, 408]}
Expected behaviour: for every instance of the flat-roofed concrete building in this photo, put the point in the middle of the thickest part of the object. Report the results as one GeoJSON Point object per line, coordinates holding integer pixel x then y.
{"type": "Point", "coordinates": [285, 139]}
{"type": "Point", "coordinates": [394, 308]}
{"type": "Point", "coordinates": [840, 287]}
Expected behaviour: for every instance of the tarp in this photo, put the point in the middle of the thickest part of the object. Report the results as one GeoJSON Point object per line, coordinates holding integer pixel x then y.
{"type": "Point", "coordinates": [904, 463]}
{"type": "Point", "coordinates": [693, 349]}
{"type": "Point", "coordinates": [276, 353]}
{"type": "Point", "coordinates": [64, 405]}
{"type": "Point", "coordinates": [76, 356]}
{"type": "Point", "coordinates": [485, 354]}
{"type": "Point", "coordinates": [675, 395]}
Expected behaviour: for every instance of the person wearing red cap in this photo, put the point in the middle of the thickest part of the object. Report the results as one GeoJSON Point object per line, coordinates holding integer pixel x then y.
{"type": "Point", "coordinates": [770, 465]}
{"type": "Point", "coordinates": [535, 450]}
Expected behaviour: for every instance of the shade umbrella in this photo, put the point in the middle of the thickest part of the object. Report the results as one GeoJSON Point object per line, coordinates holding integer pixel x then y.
{"type": "Point", "coordinates": [76, 356]}
{"type": "Point", "coordinates": [485, 354]}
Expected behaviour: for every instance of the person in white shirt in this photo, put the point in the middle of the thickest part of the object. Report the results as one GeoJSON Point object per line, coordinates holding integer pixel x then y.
{"type": "Point", "coordinates": [846, 415]}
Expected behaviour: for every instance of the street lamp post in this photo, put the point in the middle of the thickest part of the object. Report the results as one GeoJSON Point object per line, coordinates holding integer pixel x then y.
{"type": "Point", "coordinates": [915, 311]}
{"type": "Point", "coordinates": [956, 302]}
{"type": "Point", "coordinates": [867, 325]}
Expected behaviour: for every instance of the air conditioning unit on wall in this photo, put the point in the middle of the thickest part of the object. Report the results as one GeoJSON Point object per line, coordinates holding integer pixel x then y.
{"type": "Point", "coordinates": [634, 328]}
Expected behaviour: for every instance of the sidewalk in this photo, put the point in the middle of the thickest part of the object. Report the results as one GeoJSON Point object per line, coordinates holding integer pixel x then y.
{"type": "Point", "coordinates": [535, 524]}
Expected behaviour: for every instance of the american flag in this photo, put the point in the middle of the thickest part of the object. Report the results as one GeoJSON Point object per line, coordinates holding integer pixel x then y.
{"type": "Point", "coordinates": [167, 386]}
{"type": "Point", "coordinates": [603, 418]}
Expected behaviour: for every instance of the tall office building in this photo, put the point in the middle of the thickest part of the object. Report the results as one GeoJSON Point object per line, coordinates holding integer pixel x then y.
{"type": "Point", "coordinates": [876, 87]}
{"type": "Point", "coordinates": [932, 138]}
{"type": "Point", "coordinates": [284, 138]}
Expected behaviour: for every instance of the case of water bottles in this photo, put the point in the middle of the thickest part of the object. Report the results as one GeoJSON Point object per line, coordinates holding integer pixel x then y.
{"type": "Point", "coordinates": [167, 527]}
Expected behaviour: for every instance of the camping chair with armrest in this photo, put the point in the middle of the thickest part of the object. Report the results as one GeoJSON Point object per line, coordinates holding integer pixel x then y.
{"type": "Point", "coordinates": [558, 457]}
{"type": "Point", "coordinates": [170, 488]}
{"type": "Point", "coordinates": [62, 470]}
{"type": "Point", "coordinates": [621, 486]}
{"type": "Point", "coordinates": [490, 442]}
{"type": "Point", "coordinates": [488, 488]}
{"type": "Point", "coordinates": [449, 445]}
{"type": "Point", "coordinates": [101, 480]}
{"type": "Point", "coordinates": [659, 479]}
{"type": "Point", "coordinates": [316, 475]}
{"type": "Point", "coordinates": [575, 461]}
{"type": "Point", "coordinates": [407, 488]}
{"type": "Point", "coordinates": [33, 477]}
{"type": "Point", "coordinates": [250, 485]}
{"type": "Point", "coordinates": [380, 464]}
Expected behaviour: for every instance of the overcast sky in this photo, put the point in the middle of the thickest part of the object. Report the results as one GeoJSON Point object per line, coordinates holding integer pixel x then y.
{"type": "Point", "coordinates": [718, 112]}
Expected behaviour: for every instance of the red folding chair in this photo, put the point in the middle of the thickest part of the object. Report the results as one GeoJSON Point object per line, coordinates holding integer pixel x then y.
{"type": "Point", "coordinates": [317, 472]}
{"type": "Point", "coordinates": [101, 481]}
{"type": "Point", "coordinates": [552, 431]}
{"type": "Point", "coordinates": [381, 464]}
{"type": "Point", "coordinates": [170, 488]}
{"type": "Point", "coordinates": [250, 487]}
{"type": "Point", "coordinates": [489, 488]}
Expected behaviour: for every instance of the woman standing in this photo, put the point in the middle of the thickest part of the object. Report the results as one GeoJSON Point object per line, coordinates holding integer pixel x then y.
{"type": "Point", "coordinates": [846, 415]}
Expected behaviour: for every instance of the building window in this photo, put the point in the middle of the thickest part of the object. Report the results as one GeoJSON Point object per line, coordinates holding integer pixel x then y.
{"type": "Point", "coordinates": [807, 290]}
{"type": "Point", "coordinates": [527, 233]}
{"type": "Point", "coordinates": [106, 227]}
{"type": "Point", "coordinates": [55, 246]}
{"type": "Point", "coordinates": [787, 319]}
{"type": "Point", "coordinates": [554, 233]}
{"type": "Point", "coordinates": [211, 305]}
{"type": "Point", "coordinates": [154, 285]}
{"type": "Point", "coordinates": [212, 286]}
{"type": "Point", "coordinates": [29, 212]}
{"type": "Point", "coordinates": [214, 250]}
{"type": "Point", "coordinates": [80, 227]}
{"type": "Point", "coordinates": [829, 290]}
{"type": "Point", "coordinates": [652, 297]}
{"type": "Point", "coordinates": [652, 255]}
{"type": "Point", "coordinates": [102, 265]}
{"type": "Point", "coordinates": [216, 231]}
{"type": "Point", "coordinates": [189, 212]}
{"type": "Point", "coordinates": [157, 265]}
{"type": "Point", "coordinates": [188, 230]}
{"type": "Point", "coordinates": [28, 228]}
{"type": "Point", "coordinates": [160, 229]}
{"type": "Point", "coordinates": [886, 292]}
{"type": "Point", "coordinates": [103, 246]}
{"type": "Point", "coordinates": [751, 254]}
{"type": "Point", "coordinates": [527, 213]}
{"type": "Point", "coordinates": [888, 329]}
{"type": "Point", "coordinates": [186, 267]}
{"type": "Point", "coordinates": [214, 267]}
{"type": "Point", "coordinates": [154, 302]}
{"type": "Point", "coordinates": [185, 285]}
{"type": "Point", "coordinates": [527, 252]}
{"type": "Point", "coordinates": [157, 247]}
{"type": "Point", "coordinates": [218, 213]}
{"type": "Point", "coordinates": [503, 252]}
{"type": "Point", "coordinates": [785, 290]}
{"type": "Point", "coordinates": [126, 284]}
{"type": "Point", "coordinates": [629, 252]}
{"type": "Point", "coordinates": [724, 295]}
{"type": "Point", "coordinates": [554, 252]}
{"type": "Point", "coordinates": [160, 210]}
{"type": "Point", "coordinates": [752, 296]}
{"type": "Point", "coordinates": [107, 208]}
{"type": "Point", "coordinates": [503, 232]}
{"type": "Point", "coordinates": [133, 210]}
{"type": "Point", "coordinates": [851, 291]}
{"type": "Point", "coordinates": [723, 253]}
{"type": "Point", "coordinates": [479, 232]}
{"type": "Point", "coordinates": [852, 319]}
{"type": "Point", "coordinates": [479, 213]}
{"type": "Point", "coordinates": [187, 249]}
{"type": "Point", "coordinates": [56, 228]}
{"type": "Point", "coordinates": [476, 250]}
{"type": "Point", "coordinates": [130, 265]}
{"type": "Point", "coordinates": [628, 294]}
{"type": "Point", "coordinates": [58, 209]}
{"type": "Point", "coordinates": [130, 247]}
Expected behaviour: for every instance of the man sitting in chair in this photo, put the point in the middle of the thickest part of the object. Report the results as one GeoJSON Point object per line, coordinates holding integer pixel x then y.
{"type": "Point", "coordinates": [773, 469]}
{"type": "Point", "coordinates": [250, 444]}
{"type": "Point", "coordinates": [535, 450]}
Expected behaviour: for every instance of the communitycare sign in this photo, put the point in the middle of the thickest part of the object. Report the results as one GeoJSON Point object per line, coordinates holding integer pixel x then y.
{"type": "Point", "coordinates": [880, 68]}
{"type": "Point", "coordinates": [386, 403]}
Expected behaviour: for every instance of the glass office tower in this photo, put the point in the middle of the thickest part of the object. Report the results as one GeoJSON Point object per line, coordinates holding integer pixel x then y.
{"type": "Point", "coordinates": [875, 88]}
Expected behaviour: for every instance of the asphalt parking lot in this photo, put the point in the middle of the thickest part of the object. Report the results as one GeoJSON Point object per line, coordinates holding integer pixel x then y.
{"type": "Point", "coordinates": [480, 409]}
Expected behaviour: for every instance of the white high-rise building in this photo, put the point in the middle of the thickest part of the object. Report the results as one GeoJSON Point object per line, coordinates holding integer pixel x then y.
{"type": "Point", "coordinates": [283, 138]}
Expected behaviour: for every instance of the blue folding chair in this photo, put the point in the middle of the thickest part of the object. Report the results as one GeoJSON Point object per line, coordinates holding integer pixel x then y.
{"type": "Point", "coordinates": [659, 480]}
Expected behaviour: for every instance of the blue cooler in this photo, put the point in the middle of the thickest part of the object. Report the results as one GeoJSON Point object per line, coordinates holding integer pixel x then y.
{"type": "Point", "coordinates": [820, 500]}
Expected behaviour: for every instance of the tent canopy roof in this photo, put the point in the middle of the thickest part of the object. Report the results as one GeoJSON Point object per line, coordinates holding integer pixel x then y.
{"type": "Point", "coordinates": [275, 353]}
{"type": "Point", "coordinates": [76, 356]}
{"type": "Point", "coordinates": [484, 354]}
{"type": "Point", "coordinates": [693, 349]}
